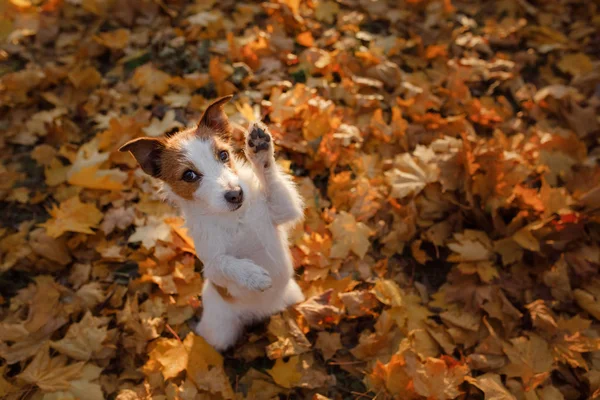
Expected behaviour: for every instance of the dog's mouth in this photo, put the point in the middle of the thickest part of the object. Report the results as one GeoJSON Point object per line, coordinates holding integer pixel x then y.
{"type": "Point", "coordinates": [235, 207]}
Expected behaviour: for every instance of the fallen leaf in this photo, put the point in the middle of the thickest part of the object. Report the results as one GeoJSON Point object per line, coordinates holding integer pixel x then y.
{"type": "Point", "coordinates": [72, 216]}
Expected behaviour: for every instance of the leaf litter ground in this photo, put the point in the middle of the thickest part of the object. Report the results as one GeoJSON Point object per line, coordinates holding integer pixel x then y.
{"type": "Point", "coordinates": [448, 152]}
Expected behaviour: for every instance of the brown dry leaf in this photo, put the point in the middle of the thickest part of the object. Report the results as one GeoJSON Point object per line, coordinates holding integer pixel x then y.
{"type": "Point", "coordinates": [318, 311]}
{"type": "Point", "coordinates": [48, 247]}
{"type": "Point", "coordinates": [437, 378]}
{"type": "Point", "coordinates": [575, 64]}
{"type": "Point", "coordinates": [151, 81]}
{"type": "Point", "coordinates": [290, 339]}
{"type": "Point", "coordinates": [6, 388]}
{"type": "Point", "coordinates": [85, 78]}
{"type": "Point", "coordinates": [51, 374]}
{"type": "Point", "coordinates": [328, 343]}
{"type": "Point", "coordinates": [83, 339]}
{"type": "Point", "coordinates": [491, 386]}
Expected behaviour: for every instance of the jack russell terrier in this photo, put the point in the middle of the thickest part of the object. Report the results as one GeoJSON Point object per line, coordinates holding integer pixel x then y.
{"type": "Point", "coordinates": [238, 213]}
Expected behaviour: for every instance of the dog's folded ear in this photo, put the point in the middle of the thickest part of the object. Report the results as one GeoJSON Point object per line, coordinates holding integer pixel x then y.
{"type": "Point", "coordinates": [147, 152]}
{"type": "Point", "coordinates": [214, 118]}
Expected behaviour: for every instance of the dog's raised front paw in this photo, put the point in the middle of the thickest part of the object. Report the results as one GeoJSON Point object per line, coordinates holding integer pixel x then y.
{"type": "Point", "coordinates": [259, 145]}
{"type": "Point", "coordinates": [257, 279]}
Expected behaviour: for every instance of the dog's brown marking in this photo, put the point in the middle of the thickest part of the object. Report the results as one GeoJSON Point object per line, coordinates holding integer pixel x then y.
{"type": "Point", "coordinates": [175, 163]}
{"type": "Point", "coordinates": [147, 152]}
{"type": "Point", "coordinates": [224, 293]}
{"type": "Point", "coordinates": [214, 120]}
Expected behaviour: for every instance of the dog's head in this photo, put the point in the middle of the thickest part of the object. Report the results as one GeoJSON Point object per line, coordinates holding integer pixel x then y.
{"type": "Point", "coordinates": [195, 164]}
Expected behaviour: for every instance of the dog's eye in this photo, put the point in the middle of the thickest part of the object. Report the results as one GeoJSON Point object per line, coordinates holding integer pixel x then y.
{"type": "Point", "coordinates": [190, 176]}
{"type": "Point", "coordinates": [223, 155]}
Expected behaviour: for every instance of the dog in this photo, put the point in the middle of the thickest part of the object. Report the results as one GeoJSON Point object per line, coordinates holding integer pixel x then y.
{"type": "Point", "coordinates": [238, 214]}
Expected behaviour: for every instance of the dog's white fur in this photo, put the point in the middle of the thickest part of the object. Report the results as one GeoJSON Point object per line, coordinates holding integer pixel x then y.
{"type": "Point", "coordinates": [245, 251]}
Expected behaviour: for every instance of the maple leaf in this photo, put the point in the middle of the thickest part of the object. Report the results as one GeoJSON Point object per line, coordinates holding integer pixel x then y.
{"type": "Point", "coordinates": [530, 357]}
{"type": "Point", "coordinates": [150, 80]}
{"type": "Point", "coordinates": [328, 343]}
{"type": "Point", "coordinates": [51, 374]}
{"type": "Point", "coordinates": [437, 378]}
{"type": "Point", "coordinates": [410, 175]}
{"type": "Point", "coordinates": [286, 373]}
{"type": "Point", "coordinates": [349, 235]}
{"type": "Point", "coordinates": [84, 338]}
{"type": "Point", "coordinates": [170, 354]}
{"type": "Point", "coordinates": [72, 216]}
{"type": "Point", "coordinates": [473, 250]}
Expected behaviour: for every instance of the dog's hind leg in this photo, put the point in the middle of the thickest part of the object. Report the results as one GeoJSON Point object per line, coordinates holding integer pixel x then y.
{"type": "Point", "coordinates": [292, 294]}
{"type": "Point", "coordinates": [220, 324]}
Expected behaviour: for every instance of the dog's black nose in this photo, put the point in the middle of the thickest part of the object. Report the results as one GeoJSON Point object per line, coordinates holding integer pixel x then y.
{"type": "Point", "coordinates": [235, 196]}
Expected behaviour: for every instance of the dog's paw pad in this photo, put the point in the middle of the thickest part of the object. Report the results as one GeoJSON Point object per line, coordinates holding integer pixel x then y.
{"type": "Point", "coordinates": [259, 138]}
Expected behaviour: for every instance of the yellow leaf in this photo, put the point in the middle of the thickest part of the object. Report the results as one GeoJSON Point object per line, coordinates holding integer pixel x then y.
{"type": "Point", "coordinates": [201, 354]}
{"type": "Point", "coordinates": [388, 293]}
{"type": "Point", "coordinates": [117, 39]}
{"type": "Point", "coordinates": [349, 235]}
{"type": "Point", "coordinates": [171, 356]}
{"type": "Point", "coordinates": [72, 216]}
{"type": "Point", "coordinates": [93, 178]}
{"type": "Point", "coordinates": [286, 374]}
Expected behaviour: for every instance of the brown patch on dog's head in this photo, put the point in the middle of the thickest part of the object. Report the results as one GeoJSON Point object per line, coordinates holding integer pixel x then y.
{"type": "Point", "coordinates": [147, 152]}
{"type": "Point", "coordinates": [168, 158]}
{"type": "Point", "coordinates": [164, 158]}
{"type": "Point", "coordinates": [214, 121]}
{"type": "Point", "coordinates": [175, 163]}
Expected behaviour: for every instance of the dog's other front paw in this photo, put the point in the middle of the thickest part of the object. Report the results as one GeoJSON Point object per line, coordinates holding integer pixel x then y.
{"type": "Point", "coordinates": [257, 279]}
{"type": "Point", "coordinates": [259, 145]}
